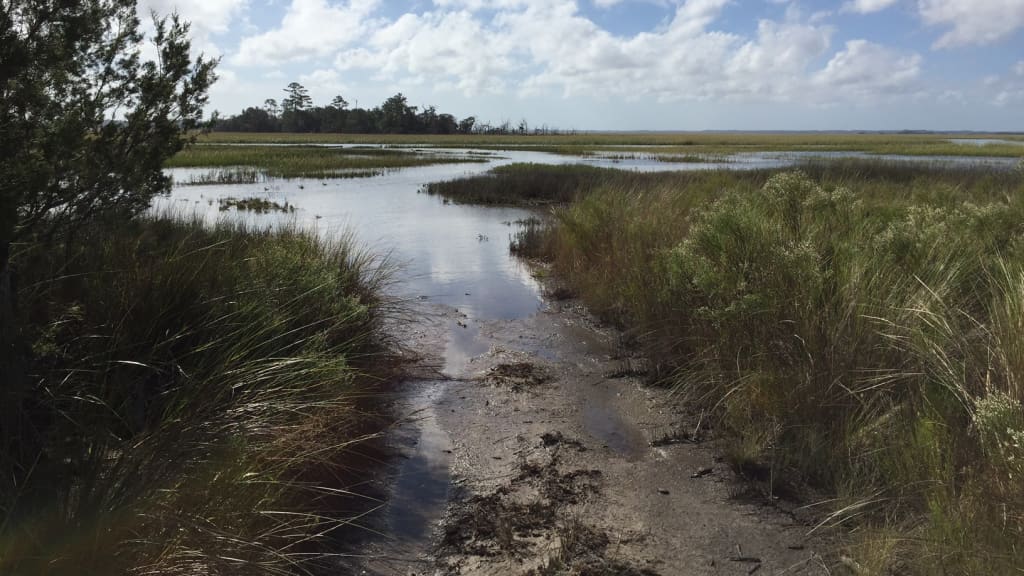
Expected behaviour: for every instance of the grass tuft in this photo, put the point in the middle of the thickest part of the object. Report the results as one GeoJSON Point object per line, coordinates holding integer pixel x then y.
{"type": "Point", "coordinates": [854, 327]}
{"type": "Point", "coordinates": [234, 164]}
{"type": "Point", "coordinates": [193, 404]}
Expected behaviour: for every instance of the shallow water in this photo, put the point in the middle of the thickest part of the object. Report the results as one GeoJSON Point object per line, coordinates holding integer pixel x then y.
{"type": "Point", "coordinates": [985, 141]}
{"type": "Point", "coordinates": [421, 487]}
{"type": "Point", "coordinates": [454, 254]}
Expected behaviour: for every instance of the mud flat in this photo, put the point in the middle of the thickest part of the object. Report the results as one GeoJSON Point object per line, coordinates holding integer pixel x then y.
{"type": "Point", "coordinates": [553, 456]}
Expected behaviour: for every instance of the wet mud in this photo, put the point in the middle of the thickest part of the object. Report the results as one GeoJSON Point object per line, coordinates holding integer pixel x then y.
{"type": "Point", "coordinates": [534, 446]}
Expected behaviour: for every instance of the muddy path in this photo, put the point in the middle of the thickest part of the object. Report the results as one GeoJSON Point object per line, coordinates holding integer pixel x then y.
{"type": "Point", "coordinates": [533, 446]}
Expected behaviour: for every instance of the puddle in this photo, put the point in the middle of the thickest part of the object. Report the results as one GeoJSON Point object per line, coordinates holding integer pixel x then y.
{"type": "Point", "coordinates": [420, 490]}
{"type": "Point", "coordinates": [604, 421]}
{"type": "Point", "coordinates": [464, 344]}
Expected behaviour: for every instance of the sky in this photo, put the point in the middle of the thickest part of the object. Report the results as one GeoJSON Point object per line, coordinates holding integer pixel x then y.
{"type": "Point", "coordinates": [631, 64]}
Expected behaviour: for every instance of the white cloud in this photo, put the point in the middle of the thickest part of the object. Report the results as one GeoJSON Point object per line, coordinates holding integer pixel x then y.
{"type": "Point", "coordinates": [451, 47]}
{"type": "Point", "coordinates": [973, 21]}
{"type": "Point", "coordinates": [683, 60]}
{"type": "Point", "coordinates": [324, 85]}
{"type": "Point", "coordinates": [537, 47]}
{"type": "Point", "coordinates": [1018, 68]}
{"type": "Point", "coordinates": [206, 16]}
{"type": "Point", "coordinates": [776, 63]}
{"type": "Point", "coordinates": [309, 29]}
{"type": "Point", "coordinates": [869, 69]}
{"type": "Point", "coordinates": [1009, 97]}
{"type": "Point", "coordinates": [867, 6]}
{"type": "Point", "coordinates": [207, 19]}
{"type": "Point", "coordinates": [952, 97]}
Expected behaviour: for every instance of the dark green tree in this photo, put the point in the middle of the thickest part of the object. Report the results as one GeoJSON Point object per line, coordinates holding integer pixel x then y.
{"type": "Point", "coordinates": [339, 103]}
{"type": "Point", "coordinates": [298, 98]}
{"type": "Point", "coordinates": [296, 113]}
{"type": "Point", "coordinates": [251, 119]}
{"type": "Point", "coordinates": [270, 105]}
{"type": "Point", "coordinates": [446, 124]}
{"type": "Point", "coordinates": [85, 127]}
{"type": "Point", "coordinates": [396, 116]}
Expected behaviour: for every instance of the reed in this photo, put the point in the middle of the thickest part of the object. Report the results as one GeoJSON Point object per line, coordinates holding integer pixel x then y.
{"type": "Point", "coordinates": [195, 400]}
{"type": "Point", "coordinates": [251, 163]}
{"type": "Point", "coordinates": [853, 327]}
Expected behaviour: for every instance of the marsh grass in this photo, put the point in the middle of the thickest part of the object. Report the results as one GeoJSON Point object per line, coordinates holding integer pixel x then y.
{"type": "Point", "coordinates": [545, 184]}
{"type": "Point", "coordinates": [529, 240]}
{"type": "Point", "coordinates": [241, 163]}
{"type": "Point", "coordinates": [194, 404]}
{"type": "Point", "coordinates": [257, 205]}
{"type": "Point", "coordinates": [232, 175]}
{"type": "Point", "coordinates": [692, 159]}
{"type": "Point", "coordinates": [523, 184]}
{"type": "Point", "coordinates": [699, 143]}
{"type": "Point", "coordinates": [853, 327]}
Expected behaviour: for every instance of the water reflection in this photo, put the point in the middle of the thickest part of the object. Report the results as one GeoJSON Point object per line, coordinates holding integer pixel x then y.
{"type": "Point", "coordinates": [450, 254]}
{"type": "Point", "coordinates": [985, 141]}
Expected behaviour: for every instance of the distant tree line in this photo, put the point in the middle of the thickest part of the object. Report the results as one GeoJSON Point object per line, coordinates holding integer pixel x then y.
{"type": "Point", "coordinates": [296, 113]}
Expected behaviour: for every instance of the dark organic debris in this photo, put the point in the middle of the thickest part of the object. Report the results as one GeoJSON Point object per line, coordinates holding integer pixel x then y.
{"type": "Point", "coordinates": [631, 367]}
{"type": "Point", "coordinates": [492, 524]}
{"type": "Point", "coordinates": [702, 472]}
{"type": "Point", "coordinates": [522, 518]}
{"type": "Point", "coordinates": [674, 437]}
{"type": "Point", "coordinates": [560, 293]}
{"type": "Point", "coordinates": [567, 488]}
{"type": "Point", "coordinates": [549, 439]}
{"type": "Point", "coordinates": [517, 375]}
{"type": "Point", "coordinates": [497, 523]}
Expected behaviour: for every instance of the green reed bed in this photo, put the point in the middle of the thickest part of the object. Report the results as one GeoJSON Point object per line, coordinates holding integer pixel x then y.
{"type": "Point", "coordinates": [545, 184]}
{"type": "Point", "coordinates": [257, 205]}
{"type": "Point", "coordinates": [855, 328]}
{"type": "Point", "coordinates": [683, 143]}
{"type": "Point", "coordinates": [258, 162]}
{"type": "Point", "coordinates": [192, 405]}
{"type": "Point", "coordinates": [523, 184]}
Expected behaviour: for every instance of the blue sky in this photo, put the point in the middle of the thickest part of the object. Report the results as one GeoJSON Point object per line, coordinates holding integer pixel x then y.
{"type": "Point", "coordinates": [632, 64]}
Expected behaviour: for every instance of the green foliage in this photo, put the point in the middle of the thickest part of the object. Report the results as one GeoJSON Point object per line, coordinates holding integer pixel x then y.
{"type": "Point", "coordinates": [298, 115]}
{"type": "Point", "coordinates": [85, 127]}
{"type": "Point", "coordinates": [856, 327]}
{"type": "Point", "coordinates": [999, 419]}
{"type": "Point", "coordinates": [67, 69]}
{"type": "Point", "coordinates": [704, 145]}
{"type": "Point", "coordinates": [523, 184]}
{"type": "Point", "coordinates": [257, 205]}
{"type": "Point", "coordinates": [192, 398]}
{"type": "Point", "coordinates": [255, 163]}
{"type": "Point", "coordinates": [298, 98]}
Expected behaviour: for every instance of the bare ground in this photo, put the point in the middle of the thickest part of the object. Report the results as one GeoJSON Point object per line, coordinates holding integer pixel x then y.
{"type": "Point", "coordinates": [556, 458]}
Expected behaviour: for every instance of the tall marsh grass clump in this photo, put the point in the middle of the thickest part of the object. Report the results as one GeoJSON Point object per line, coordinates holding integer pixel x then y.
{"type": "Point", "coordinates": [191, 403]}
{"type": "Point", "coordinates": [523, 184]}
{"type": "Point", "coordinates": [255, 163]}
{"type": "Point", "coordinates": [866, 343]}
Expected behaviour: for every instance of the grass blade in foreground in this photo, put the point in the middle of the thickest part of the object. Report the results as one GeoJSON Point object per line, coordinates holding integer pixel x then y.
{"type": "Point", "coordinates": [196, 398]}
